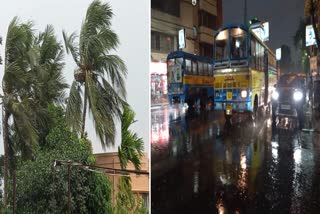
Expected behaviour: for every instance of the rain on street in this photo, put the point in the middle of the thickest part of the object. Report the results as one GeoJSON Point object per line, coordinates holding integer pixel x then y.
{"type": "Point", "coordinates": [201, 165]}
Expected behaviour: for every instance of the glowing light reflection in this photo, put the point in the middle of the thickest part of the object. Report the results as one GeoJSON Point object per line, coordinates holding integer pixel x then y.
{"type": "Point", "coordinates": [220, 207]}
{"type": "Point", "coordinates": [297, 156]}
{"type": "Point", "coordinates": [275, 146]}
{"type": "Point", "coordinates": [196, 182]}
{"type": "Point", "coordinates": [242, 182]}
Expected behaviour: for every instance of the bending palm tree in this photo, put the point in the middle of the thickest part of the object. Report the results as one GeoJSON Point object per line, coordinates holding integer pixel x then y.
{"type": "Point", "coordinates": [131, 148]}
{"type": "Point", "coordinates": [16, 78]}
{"type": "Point", "coordinates": [32, 80]}
{"type": "Point", "coordinates": [101, 75]}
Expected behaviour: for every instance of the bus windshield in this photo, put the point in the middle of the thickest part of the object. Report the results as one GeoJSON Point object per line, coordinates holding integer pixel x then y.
{"type": "Point", "coordinates": [221, 45]}
{"type": "Point", "coordinates": [238, 43]}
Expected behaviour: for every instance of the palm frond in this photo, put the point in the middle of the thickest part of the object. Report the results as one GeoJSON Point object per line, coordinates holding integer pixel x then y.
{"type": "Point", "coordinates": [74, 107]}
{"type": "Point", "coordinates": [116, 71]}
{"type": "Point", "coordinates": [131, 148]}
{"type": "Point", "coordinates": [71, 46]}
{"type": "Point", "coordinates": [105, 106]}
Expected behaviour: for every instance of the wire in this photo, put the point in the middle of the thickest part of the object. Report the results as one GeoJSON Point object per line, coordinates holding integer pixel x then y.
{"type": "Point", "coordinates": [106, 169]}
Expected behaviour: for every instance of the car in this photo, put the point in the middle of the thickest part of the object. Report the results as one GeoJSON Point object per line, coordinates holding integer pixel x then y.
{"type": "Point", "coordinates": [289, 97]}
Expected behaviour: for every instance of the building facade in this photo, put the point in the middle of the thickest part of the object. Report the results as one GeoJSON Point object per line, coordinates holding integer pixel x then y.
{"type": "Point", "coordinates": [139, 183]}
{"type": "Point", "coordinates": [199, 18]}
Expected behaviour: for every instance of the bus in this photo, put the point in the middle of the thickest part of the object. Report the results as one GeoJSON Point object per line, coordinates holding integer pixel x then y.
{"type": "Point", "coordinates": [190, 79]}
{"type": "Point", "coordinates": [245, 71]}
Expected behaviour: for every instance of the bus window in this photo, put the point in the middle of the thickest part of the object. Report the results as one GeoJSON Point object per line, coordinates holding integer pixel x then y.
{"type": "Point", "coordinates": [221, 45]}
{"type": "Point", "coordinates": [200, 68]}
{"type": "Point", "coordinates": [238, 43]}
{"type": "Point", "coordinates": [210, 70]}
{"type": "Point", "coordinates": [253, 53]}
{"type": "Point", "coordinates": [179, 61]}
{"type": "Point", "coordinates": [194, 68]}
{"type": "Point", "coordinates": [205, 69]}
{"type": "Point", "coordinates": [259, 56]}
{"type": "Point", "coordinates": [188, 66]}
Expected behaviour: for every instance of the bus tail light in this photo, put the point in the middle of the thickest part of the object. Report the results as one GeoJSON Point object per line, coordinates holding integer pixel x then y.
{"type": "Point", "coordinates": [244, 94]}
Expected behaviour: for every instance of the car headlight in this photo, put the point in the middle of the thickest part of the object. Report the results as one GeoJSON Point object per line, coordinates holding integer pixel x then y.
{"type": "Point", "coordinates": [297, 95]}
{"type": "Point", "coordinates": [275, 95]}
{"type": "Point", "coordinates": [244, 93]}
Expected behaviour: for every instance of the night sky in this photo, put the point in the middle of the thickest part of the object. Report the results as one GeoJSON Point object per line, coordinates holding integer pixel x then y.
{"type": "Point", "coordinates": [283, 17]}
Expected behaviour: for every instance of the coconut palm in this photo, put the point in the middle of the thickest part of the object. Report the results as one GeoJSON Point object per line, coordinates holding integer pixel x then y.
{"type": "Point", "coordinates": [49, 86]}
{"type": "Point", "coordinates": [99, 76]}
{"type": "Point", "coordinates": [16, 78]}
{"type": "Point", "coordinates": [32, 80]}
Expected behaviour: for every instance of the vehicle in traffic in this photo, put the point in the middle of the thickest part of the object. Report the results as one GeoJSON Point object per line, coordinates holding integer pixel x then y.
{"type": "Point", "coordinates": [288, 100]}
{"type": "Point", "coordinates": [245, 71]}
{"type": "Point", "coordinates": [190, 79]}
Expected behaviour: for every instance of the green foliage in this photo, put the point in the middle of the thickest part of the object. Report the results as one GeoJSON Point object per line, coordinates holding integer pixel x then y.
{"type": "Point", "coordinates": [127, 202]}
{"type": "Point", "coordinates": [131, 147]}
{"type": "Point", "coordinates": [44, 189]}
{"type": "Point", "coordinates": [99, 73]}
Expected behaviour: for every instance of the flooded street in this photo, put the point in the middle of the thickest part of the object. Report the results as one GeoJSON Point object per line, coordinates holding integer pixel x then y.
{"type": "Point", "coordinates": [201, 165]}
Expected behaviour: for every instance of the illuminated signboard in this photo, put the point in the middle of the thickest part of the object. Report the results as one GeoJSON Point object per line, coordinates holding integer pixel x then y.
{"type": "Point", "coordinates": [182, 38]}
{"type": "Point", "coordinates": [310, 36]}
{"type": "Point", "coordinates": [278, 54]}
{"type": "Point", "coordinates": [262, 31]}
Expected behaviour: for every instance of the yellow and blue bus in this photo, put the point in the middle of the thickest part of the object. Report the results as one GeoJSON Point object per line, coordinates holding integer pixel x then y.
{"type": "Point", "coordinates": [190, 79]}
{"type": "Point", "coordinates": [245, 71]}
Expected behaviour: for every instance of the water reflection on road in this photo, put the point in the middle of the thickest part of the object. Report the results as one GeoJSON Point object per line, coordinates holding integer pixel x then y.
{"type": "Point", "coordinates": [201, 165]}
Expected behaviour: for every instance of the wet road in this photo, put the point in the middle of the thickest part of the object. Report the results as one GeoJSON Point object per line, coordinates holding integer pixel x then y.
{"type": "Point", "coordinates": [200, 165]}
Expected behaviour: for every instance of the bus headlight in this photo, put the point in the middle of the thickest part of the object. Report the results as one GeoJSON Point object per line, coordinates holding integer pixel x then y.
{"type": "Point", "coordinates": [275, 95]}
{"type": "Point", "coordinates": [297, 95]}
{"type": "Point", "coordinates": [244, 94]}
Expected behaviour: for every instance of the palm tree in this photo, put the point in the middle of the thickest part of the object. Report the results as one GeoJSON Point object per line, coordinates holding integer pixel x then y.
{"type": "Point", "coordinates": [16, 78]}
{"type": "Point", "coordinates": [32, 80]}
{"type": "Point", "coordinates": [49, 86]}
{"type": "Point", "coordinates": [99, 76]}
{"type": "Point", "coordinates": [131, 148]}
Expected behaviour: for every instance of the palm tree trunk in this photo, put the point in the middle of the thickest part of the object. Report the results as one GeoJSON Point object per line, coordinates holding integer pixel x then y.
{"type": "Point", "coordinates": [5, 126]}
{"type": "Point", "coordinates": [85, 100]}
{"type": "Point", "coordinates": [14, 183]}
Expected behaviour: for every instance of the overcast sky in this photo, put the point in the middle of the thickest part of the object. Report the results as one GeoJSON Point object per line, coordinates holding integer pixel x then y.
{"type": "Point", "coordinates": [130, 22]}
{"type": "Point", "coordinates": [283, 17]}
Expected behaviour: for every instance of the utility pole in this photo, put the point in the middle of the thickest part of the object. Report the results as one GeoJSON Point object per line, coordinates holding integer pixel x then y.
{"type": "Point", "coordinates": [69, 192]}
{"type": "Point", "coordinates": [245, 13]}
